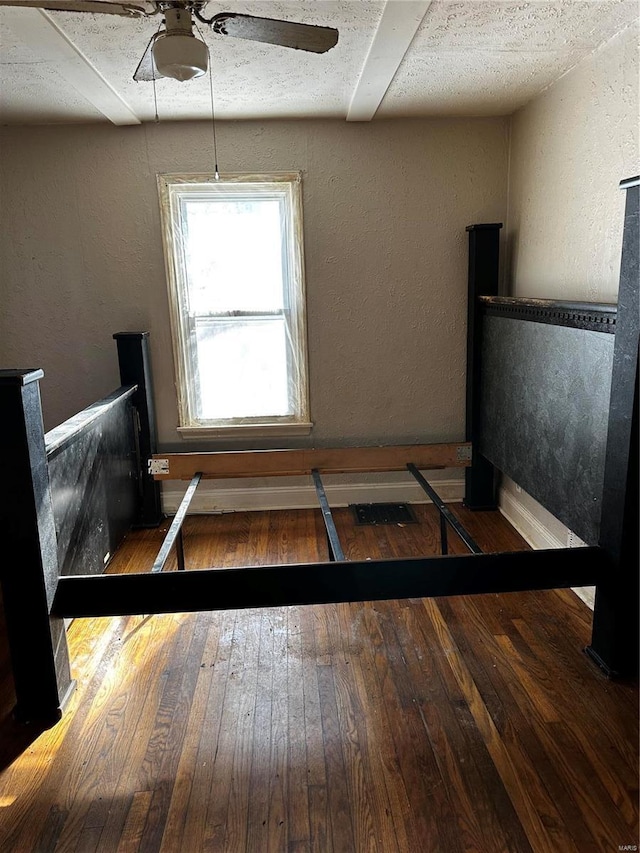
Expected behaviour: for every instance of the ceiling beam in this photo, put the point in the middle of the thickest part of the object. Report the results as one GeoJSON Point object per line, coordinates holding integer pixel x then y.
{"type": "Point", "coordinates": [49, 43]}
{"type": "Point", "coordinates": [396, 29]}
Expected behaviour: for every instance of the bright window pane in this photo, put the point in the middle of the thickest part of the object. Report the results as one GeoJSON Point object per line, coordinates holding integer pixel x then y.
{"type": "Point", "coordinates": [242, 368]}
{"type": "Point", "coordinates": [236, 285]}
{"type": "Point", "coordinates": [234, 255]}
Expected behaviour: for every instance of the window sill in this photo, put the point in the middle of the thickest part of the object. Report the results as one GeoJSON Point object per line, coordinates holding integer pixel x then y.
{"type": "Point", "coordinates": [241, 431]}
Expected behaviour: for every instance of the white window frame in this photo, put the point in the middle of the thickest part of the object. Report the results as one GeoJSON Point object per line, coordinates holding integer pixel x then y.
{"type": "Point", "coordinates": [173, 190]}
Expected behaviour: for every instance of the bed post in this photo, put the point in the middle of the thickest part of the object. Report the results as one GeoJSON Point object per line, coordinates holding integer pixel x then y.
{"type": "Point", "coordinates": [614, 640]}
{"type": "Point", "coordinates": [135, 369]}
{"type": "Point", "coordinates": [484, 240]}
{"type": "Point", "coordinates": [29, 574]}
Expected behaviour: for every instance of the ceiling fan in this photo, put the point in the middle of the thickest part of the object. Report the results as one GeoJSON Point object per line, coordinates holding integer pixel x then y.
{"type": "Point", "coordinates": [174, 51]}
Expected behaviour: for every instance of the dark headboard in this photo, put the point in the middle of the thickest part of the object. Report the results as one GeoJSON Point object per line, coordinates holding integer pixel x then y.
{"type": "Point", "coordinates": [546, 376]}
{"type": "Point", "coordinates": [552, 402]}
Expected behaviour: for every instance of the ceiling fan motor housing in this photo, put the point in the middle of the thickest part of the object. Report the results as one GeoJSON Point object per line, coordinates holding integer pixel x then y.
{"type": "Point", "coordinates": [177, 53]}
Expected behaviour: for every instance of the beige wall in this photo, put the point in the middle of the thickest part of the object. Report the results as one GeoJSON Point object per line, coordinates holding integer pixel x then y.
{"type": "Point", "coordinates": [385, 205]}
{"type": "Point", "coordinates": [570, 148]}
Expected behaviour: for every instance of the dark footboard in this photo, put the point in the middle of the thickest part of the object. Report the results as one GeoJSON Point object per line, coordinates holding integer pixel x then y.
{"type": "Point", "coordinates": [69, 497]}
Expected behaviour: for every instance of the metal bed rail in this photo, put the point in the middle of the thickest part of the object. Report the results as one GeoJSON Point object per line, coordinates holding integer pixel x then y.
{"type": "Point", "coordinates": [174, 535]}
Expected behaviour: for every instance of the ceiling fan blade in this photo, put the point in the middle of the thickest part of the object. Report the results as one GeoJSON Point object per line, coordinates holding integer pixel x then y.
{"type": "Point", "coordinates": [146, 71]}
{"type": "Point", "coordinates": [94, 6]}
{"type": "Point", "coordinates": [285, 33]}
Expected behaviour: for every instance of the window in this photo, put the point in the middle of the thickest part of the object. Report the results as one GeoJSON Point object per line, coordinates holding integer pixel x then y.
{"type": "Point", "coordinates": [233, 250]}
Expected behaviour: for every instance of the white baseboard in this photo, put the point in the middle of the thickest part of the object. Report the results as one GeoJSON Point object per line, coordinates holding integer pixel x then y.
{"type": "Point", "coordinates": [216, 499]}
{"type": "Point", "coordinates": [534, 531]}
{"type": "Point", "coordinates": [525, 522]}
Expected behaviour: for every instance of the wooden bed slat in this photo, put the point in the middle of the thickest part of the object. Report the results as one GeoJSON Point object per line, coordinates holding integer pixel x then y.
{"type": "Point", "coordinates": [283, 463]}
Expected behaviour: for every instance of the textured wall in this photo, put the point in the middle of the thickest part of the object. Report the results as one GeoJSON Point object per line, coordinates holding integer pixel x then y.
{"type": "Point", "coordinates": [570, 148]}
{"type": "Point", "coordinates": [385, 208]}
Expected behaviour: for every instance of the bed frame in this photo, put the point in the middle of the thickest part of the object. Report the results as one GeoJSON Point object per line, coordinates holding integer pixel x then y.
{"type": "Point", "coordinates": [71, 495]}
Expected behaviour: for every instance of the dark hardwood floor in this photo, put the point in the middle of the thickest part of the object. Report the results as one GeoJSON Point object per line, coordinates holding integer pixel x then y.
{"type": "Point", "coordinates": [417, 726]}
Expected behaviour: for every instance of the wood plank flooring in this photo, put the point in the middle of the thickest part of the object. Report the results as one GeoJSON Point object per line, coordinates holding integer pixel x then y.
{"type": "Point", "coordinates": [436, 726]}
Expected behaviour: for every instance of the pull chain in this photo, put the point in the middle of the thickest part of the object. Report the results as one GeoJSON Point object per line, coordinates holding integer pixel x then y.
{"type": "Point", "coordinates": [155, 99]}
{"type": "Point", "coordinates": [213, 124]}
{"type": "Point", "coordinates": [216, 173]}
{"type": "Point", "coordinates": [153, 77]}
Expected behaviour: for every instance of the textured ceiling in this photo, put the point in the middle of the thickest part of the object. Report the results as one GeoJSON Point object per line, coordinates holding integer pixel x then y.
{"type": "Point", "coordinates": [393, 59]}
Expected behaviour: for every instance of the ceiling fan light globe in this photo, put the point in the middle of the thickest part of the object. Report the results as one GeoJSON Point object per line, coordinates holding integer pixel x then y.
{"type": "Point", "coordinates": [180, 57]}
